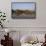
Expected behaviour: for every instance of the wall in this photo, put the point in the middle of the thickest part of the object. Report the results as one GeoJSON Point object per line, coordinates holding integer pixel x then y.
{"type": "Point", "coordinates": [35, 24]}
{"type": "Point", "coordinates": [40, 20]}
{"type": "Point", "coordinates": [25, 25]}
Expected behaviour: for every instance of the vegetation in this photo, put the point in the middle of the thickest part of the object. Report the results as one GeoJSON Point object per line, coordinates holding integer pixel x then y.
{"type": "Point", "coordinates": [20, 12]}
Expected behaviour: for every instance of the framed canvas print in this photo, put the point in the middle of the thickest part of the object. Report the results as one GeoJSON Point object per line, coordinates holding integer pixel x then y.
{"type": "Point", "coordinates": [23, 10]}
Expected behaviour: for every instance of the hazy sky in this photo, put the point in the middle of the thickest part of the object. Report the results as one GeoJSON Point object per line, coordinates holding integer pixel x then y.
{"type": "Point", "coordinates": [30, 6]}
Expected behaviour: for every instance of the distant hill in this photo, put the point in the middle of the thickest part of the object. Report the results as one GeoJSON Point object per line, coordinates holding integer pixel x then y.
{"type": "Point", "coordinates": [26, 12]}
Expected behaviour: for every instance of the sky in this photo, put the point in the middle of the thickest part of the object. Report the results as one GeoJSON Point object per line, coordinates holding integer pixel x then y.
{"type": "Point", "coordinates": [23, 6]}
